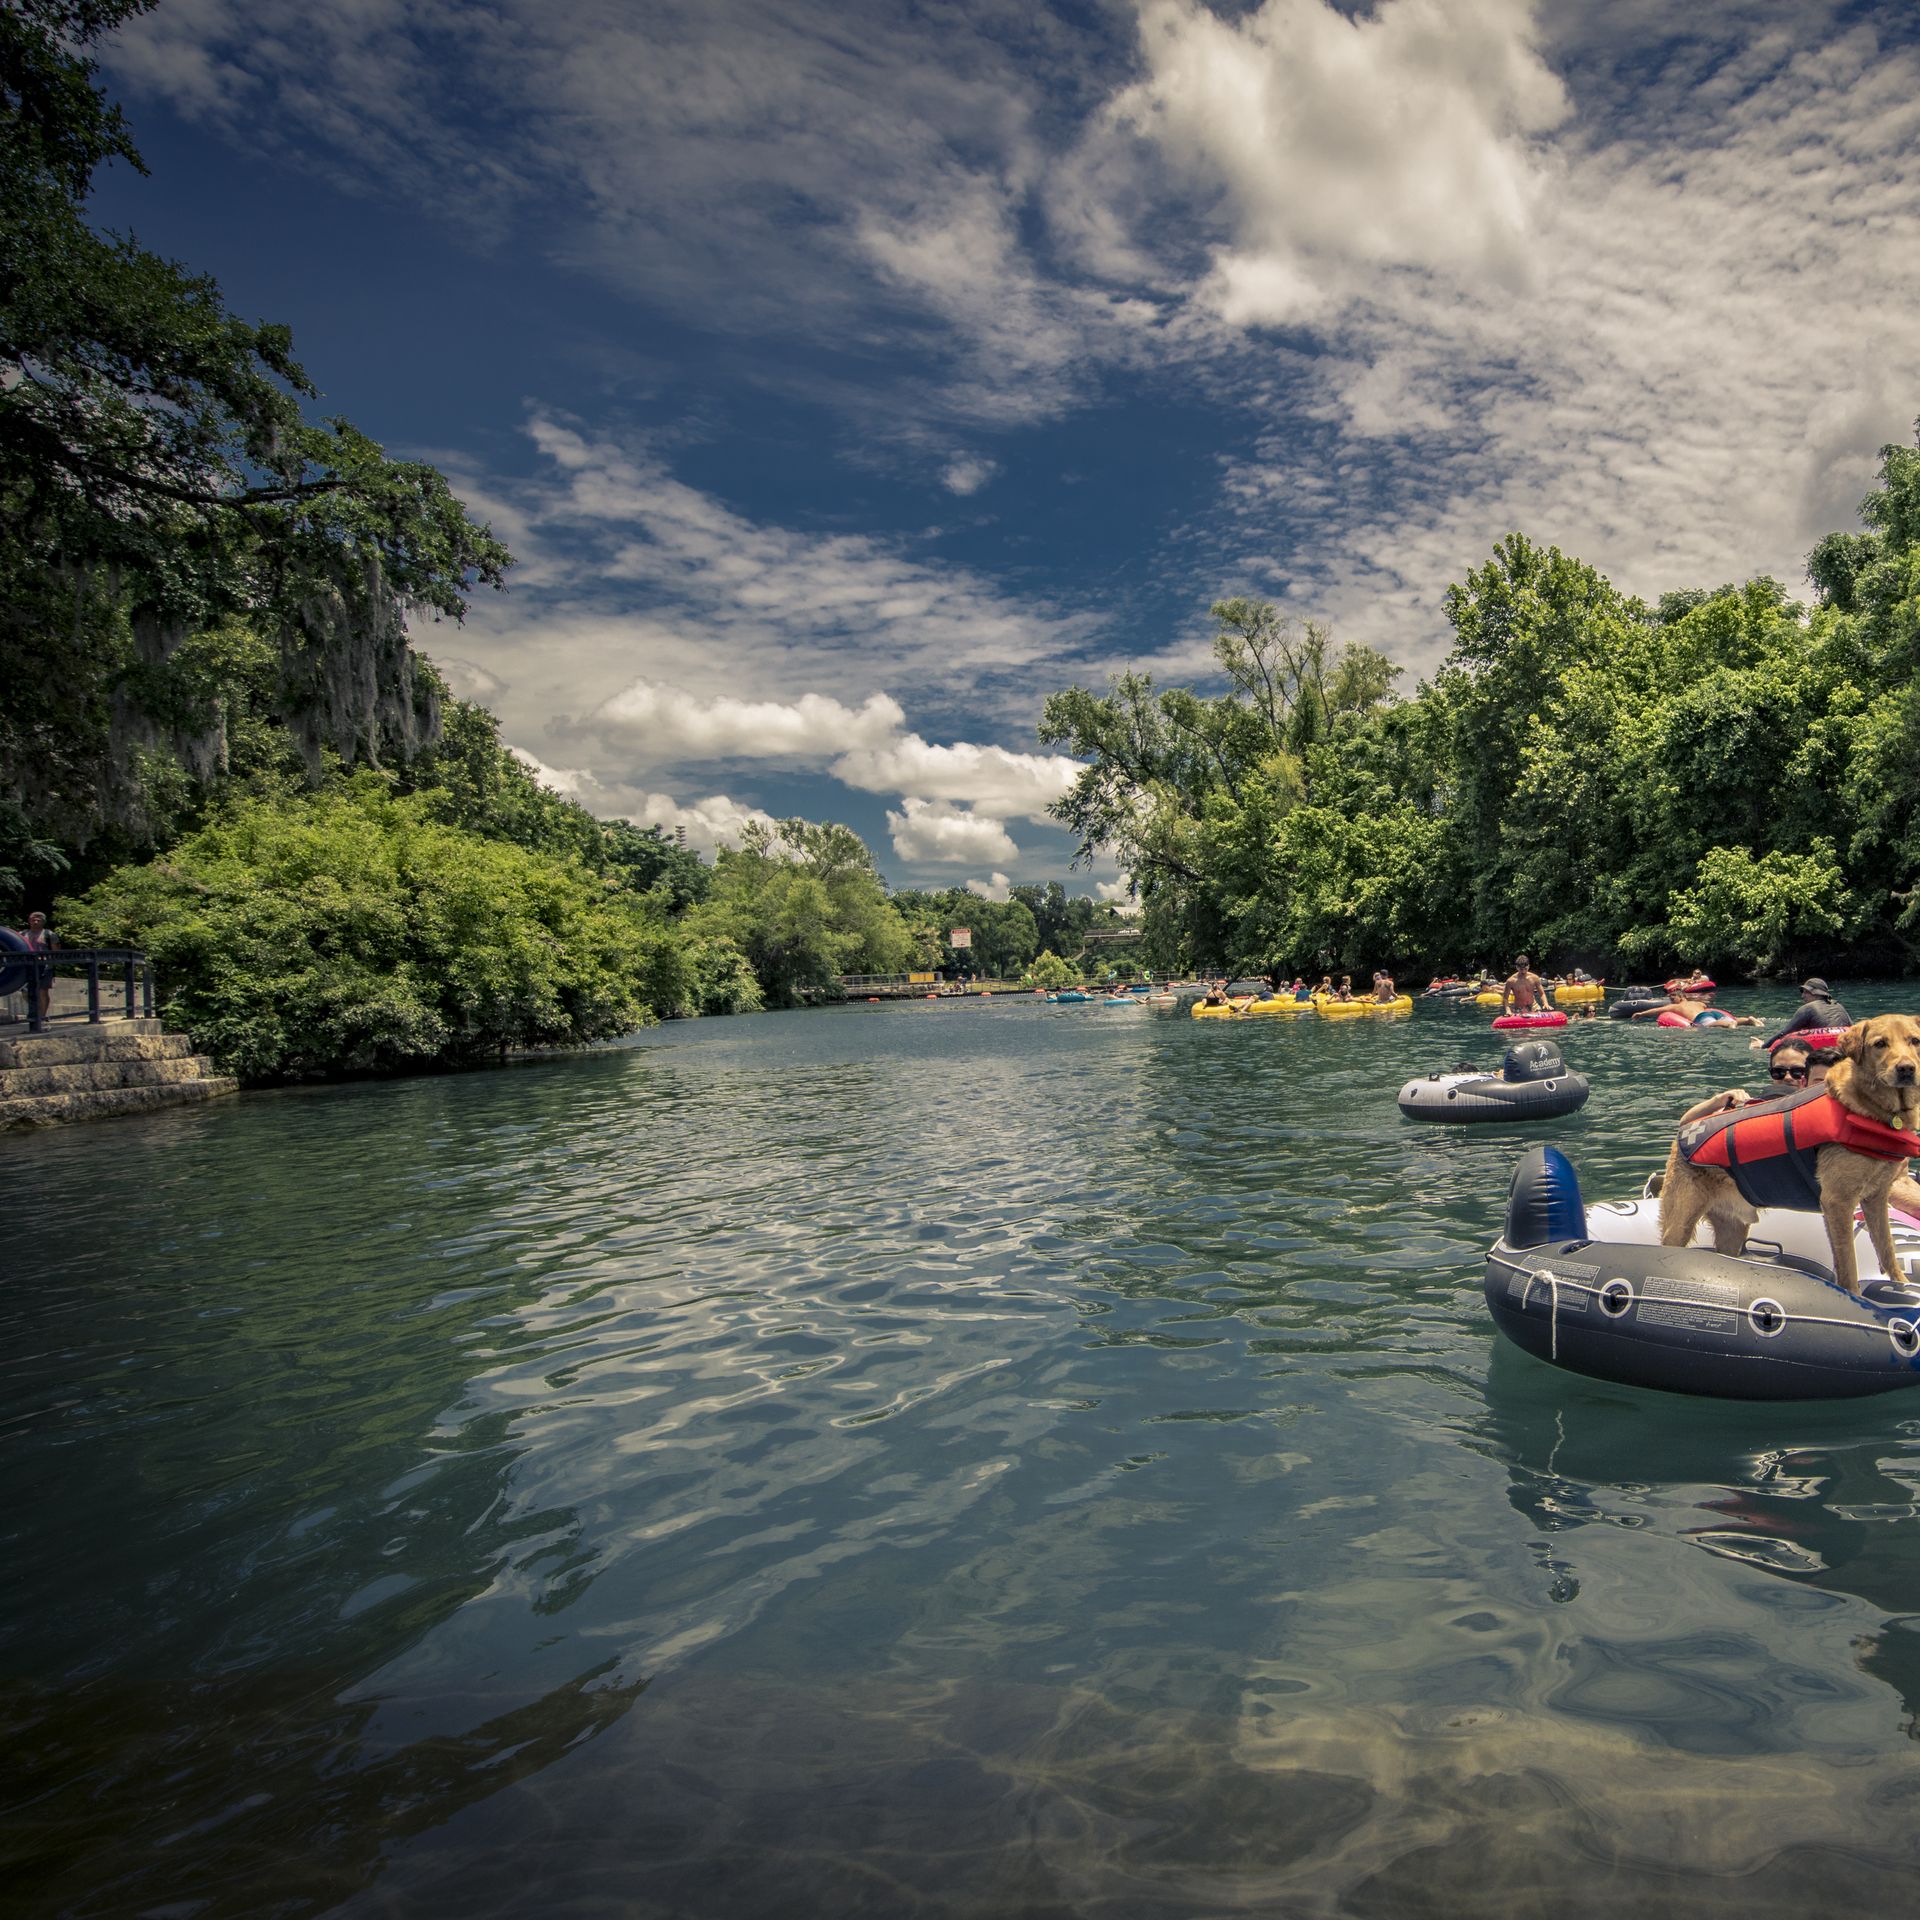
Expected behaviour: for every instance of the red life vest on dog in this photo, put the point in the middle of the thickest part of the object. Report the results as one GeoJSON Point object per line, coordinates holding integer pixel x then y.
{"type": "Point", "coordinates": [1772, 1147]}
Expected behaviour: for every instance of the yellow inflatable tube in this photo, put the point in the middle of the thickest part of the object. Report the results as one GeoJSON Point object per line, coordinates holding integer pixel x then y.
{"type": "Point", "coordinates": [1404, 1004]}
{"type": "Point", "coordinates": [1329, 1008]}
{"type": "Point", "coordinates": [1488, 999]}
{"type": "Point", "coordinates": [1579, 996]}
{"type": "Point", "coordinates": [1281, 1003]}
{"type": "Point", "coordinates": [1231, 1011]}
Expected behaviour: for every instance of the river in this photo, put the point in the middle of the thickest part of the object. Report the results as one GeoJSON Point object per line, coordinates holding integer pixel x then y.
{"type": "Point", "coordinates": [961, 1458]}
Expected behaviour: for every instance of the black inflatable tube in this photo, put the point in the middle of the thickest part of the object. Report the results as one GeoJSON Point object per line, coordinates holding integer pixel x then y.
{"type": "Point", "coordinates": [1687, 1319]}
{"type": "Point", "coordinates": [14, 973]}
{"type": "Point", "coordinates": [1447, 1099]}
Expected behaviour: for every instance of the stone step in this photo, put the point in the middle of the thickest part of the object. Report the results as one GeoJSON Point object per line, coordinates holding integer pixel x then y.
{"type": "Point", "coordinates": [89, 1076]}
{"type": "Point", "coordinates": [50, 1109]}
{"type": "Point", "coordinates": [111, 1040]}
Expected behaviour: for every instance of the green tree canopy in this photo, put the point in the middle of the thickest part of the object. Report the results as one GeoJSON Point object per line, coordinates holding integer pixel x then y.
{"type": "Point", "coordinates": [805, 904]}
{"type": "Point", "coordinates": [161, 481]}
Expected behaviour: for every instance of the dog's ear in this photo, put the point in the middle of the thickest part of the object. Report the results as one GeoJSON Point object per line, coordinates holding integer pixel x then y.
{"type": "Point", "coordinates": [1852, 1041]}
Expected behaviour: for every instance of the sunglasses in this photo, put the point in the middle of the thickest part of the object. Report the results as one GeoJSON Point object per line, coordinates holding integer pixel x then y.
{"type": "Point", "coordinates": [1786, 1073]}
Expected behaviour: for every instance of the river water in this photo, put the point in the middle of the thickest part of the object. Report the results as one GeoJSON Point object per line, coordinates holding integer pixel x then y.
{"type": "Point", "coordinates": [970, 1458]}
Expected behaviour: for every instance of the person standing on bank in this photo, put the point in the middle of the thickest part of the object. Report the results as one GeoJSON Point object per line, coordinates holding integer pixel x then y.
{"type": "Point", "coordinates": [42, 939]}
{"type": "Point", "coordinates": [1524, 991]}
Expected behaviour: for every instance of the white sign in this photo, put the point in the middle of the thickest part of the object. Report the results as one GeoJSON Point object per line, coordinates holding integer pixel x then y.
{"type": "Point", "coordinates": [959, 936]}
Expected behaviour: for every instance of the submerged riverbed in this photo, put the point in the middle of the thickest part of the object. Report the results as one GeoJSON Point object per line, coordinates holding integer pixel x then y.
{"type": "Point", "coordinates": [962, 1458]}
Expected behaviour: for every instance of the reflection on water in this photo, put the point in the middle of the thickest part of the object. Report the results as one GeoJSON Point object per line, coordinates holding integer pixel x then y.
{"type": "Point", "coordinates": [974, 1458]}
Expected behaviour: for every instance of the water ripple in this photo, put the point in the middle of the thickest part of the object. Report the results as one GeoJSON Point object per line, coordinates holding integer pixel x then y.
{"type": "Point", "coordinates": [954, 1458]}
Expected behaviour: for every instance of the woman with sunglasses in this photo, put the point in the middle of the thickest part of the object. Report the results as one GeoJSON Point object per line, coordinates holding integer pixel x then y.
{"type": "Point", "coordinates": [1788, 1072]}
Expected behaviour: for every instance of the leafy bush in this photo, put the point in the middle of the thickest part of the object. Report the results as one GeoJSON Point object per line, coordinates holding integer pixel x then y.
{"type": "Point", "coordinates": [1758, 912]}
{"type": "Point", "coordinates": [1051, 972]}
{"type": "Point", "coordinates": [349, 932]}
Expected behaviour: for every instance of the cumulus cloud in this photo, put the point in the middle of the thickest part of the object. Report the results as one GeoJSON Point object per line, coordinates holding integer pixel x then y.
{"type": "Point", "coordinates": [1406, 137]}
{"type": "Point", "coordinates": [998, 887]}
{"type": "Point", "coordinates": [936, 832]}
{"type": "Point", "coordinates": [664, 724]}
{"type": "Point", "coordinates": [1673, 399]}
{"type": "Point", "coordinates": [571, 783]}
{"type": "Point", "coordinates": [1119, 891]}
{"type": "Point", "coordinates": [468, 680]}
{"type": "Point", "coordinates": [710, 824]}
{"type": "Point", "coordinates": [1001, 781]}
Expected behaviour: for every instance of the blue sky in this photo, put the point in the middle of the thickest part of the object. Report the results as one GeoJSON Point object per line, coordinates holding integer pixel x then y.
{"type": "Point", "coordinates": [848, 376]}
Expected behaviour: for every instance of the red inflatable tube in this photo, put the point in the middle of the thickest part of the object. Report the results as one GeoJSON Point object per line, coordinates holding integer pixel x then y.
{"type": "Point", "coordinates": [1814, 1039]}
{"type": "Point", "coordinates": [1508, 1021]}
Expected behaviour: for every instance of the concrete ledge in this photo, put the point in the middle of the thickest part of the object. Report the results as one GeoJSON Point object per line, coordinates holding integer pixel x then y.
{"type": "Point", "coordinates": [52, 1109]}
{"type": "Point", "coordinates": [118, 1040]}
{"type": "Point", "coordinates": [90, 1076]}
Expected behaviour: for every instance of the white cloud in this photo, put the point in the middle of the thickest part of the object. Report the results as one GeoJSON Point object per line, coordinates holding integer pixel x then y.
{"type": "Point", "coordinates": [571, 783]}
{"type": "Point", "coordinates": [710, 824]}
{"type": "Point", "coordinates": [467, 680]}
{"type": "Point", "coordinates": [1116, 890]}
{"type": "Point", "coordinates": [967, 473]}
{"type": "Point", "coordinates": [1003, 782]}
{"type": "Point", "coordinates": [933, 831]}
{"type": "Point", "coordinates": [999, 887]}
{"type": "Point", "coordinates": [1403, 138]}
{"type": "Point", "coordinates": [662, 725]}
{"type": "Point", "coordinates": [1676, 399]}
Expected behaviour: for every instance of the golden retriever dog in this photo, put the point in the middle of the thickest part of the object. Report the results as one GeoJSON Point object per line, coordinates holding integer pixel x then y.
{"type": "Point", "coordinates": [1876, 1078]}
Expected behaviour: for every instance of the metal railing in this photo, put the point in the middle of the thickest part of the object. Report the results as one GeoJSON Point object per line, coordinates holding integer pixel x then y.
{"type": "Point", "coordinates": [127, 976]}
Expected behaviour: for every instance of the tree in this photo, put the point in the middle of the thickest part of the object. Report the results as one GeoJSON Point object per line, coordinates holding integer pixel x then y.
{"type": "Point", "coordinates": [1187, 791]}
{"type": "Point", "coordinates": [161, 484]}
{"type": "Point", "coordinates": [1761, 914]}
{"type": "Point", "coordinates": [1052, 973]}
{"type": "Point", "coordinates": [805, 904]}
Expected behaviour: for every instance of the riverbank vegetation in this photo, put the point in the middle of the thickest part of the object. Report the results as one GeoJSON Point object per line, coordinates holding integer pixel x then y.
{"type": "Point", "coordinates": [1727, 776]}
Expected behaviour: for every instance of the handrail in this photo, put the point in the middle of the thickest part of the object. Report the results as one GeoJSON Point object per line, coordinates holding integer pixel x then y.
{"type": "Point", "coordinates": [133, 966]}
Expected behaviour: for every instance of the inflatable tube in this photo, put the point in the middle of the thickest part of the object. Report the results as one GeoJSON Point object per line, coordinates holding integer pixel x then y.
{"type": "Point", "coordinates": [1814, 1039]}
{"type": "Point", "coordinates": [1533, 1084]}
{"type": "Point", "coordinates": [1514, 1022]}
{"type": "Point", "coordinates": [1593, 1290]}
{"type": "Point", "coordinates": [1281, 1003]}
{"type": "Point", "coordinates": [1579, 994]}
{"type": "Point", "coordinates": [1488, 999]}
{"type": "Point", "coordinates": [15, 972]}
{"type": "Point", "coordinates": [1330, 1009]}
{"type": "Point", "coordinates": [1401, 1003]}
{"type": "Point", "coordinates": [1634, 1000]}
{"type": "Point", "coordinates": [1673, 1020]}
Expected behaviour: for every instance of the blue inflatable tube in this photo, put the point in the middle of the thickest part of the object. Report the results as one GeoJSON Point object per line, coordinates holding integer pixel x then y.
{"type": "Point", "coordinates": [1590, 1292]}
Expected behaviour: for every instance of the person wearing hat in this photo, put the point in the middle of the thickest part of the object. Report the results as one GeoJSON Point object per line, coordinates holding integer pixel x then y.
{"type": "Point", "coordinates": [1524, 990]}
{"type": "Point", "coordinates": [1818, 1012]}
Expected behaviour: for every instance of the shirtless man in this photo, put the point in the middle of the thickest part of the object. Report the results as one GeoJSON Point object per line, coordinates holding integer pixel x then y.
{"type": "Point", "coordinates": [1696, 1009]}
{"type": "Point", "coordinates": [1524, 991]}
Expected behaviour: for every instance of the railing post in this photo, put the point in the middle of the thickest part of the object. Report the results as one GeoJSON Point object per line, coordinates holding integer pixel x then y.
{"type": "Point", "coordinates": [129, 986]}
{"type": "Point", "coordinates": [93, 989]}
{"type": "Point", "coordinates": [146, 989]}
